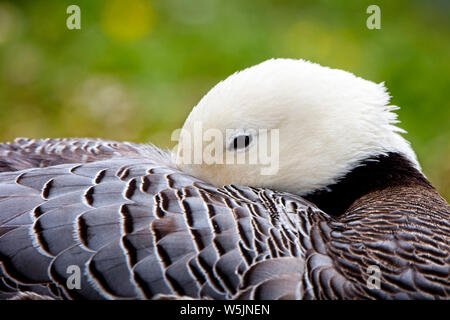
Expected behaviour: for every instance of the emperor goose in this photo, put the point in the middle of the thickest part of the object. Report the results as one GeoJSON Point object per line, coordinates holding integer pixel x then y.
{"type": "Point", "coordinates": [345, 214]}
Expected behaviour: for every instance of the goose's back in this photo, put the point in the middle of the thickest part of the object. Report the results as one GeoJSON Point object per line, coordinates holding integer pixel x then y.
{"type": "Point", "coordinates": [137, 228]}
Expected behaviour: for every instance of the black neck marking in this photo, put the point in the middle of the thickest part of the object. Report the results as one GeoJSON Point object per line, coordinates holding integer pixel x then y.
{"type": "Point", "coordinates": [373, 174]}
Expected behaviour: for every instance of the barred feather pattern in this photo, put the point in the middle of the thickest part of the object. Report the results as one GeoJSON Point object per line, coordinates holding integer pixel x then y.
{"type": "Point", "coordinates": [138, 228]}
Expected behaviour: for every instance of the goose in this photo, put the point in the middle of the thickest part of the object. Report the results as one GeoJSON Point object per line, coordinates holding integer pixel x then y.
{"type": "Point", "coordinates": [341, 210]}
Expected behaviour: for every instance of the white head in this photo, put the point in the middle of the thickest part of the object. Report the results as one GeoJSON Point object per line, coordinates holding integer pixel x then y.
{"type": "Point", "coordinates": [329, 121]}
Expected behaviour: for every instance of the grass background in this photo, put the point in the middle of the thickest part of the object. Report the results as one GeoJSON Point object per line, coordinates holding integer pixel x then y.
{"type": "Point", "coordinates": [137, 67]}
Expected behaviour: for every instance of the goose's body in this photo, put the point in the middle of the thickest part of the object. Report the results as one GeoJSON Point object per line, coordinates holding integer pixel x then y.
{"type": "Point", "coordinates": [140, 224]}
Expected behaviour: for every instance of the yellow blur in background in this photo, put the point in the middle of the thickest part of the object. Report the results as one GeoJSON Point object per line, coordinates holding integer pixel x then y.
{"type": "Point", "coordinates": [127, 20]}
{"type": "Point", "coordinates": [136, 67]}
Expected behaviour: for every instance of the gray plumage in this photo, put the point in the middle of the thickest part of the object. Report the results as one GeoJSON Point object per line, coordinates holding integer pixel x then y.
{"type": "Point", "coordinates": [138, 228]}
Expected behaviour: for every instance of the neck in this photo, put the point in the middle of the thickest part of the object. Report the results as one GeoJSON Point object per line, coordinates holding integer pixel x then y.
{"type": "Point", "coordinates": [374, 174]}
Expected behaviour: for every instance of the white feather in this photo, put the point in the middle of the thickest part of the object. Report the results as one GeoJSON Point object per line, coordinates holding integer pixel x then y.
{"type": "Point", "coordinates": [329, 121]}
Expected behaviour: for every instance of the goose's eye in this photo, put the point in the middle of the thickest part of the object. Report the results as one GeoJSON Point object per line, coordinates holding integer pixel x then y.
{"type": "Point", "coordinates": [241, 142]}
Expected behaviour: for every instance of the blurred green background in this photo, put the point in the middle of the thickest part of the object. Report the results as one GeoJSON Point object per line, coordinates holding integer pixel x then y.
{"type": "Point", "coordinates": [137, 67]}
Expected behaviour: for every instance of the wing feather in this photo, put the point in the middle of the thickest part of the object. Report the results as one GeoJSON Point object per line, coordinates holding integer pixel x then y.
{"type": "Point", "coordinates": [139, 228]}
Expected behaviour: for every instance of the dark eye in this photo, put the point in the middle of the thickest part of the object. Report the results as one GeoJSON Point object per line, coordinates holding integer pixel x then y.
{"type": "Point", "coordinates": [241, 142]}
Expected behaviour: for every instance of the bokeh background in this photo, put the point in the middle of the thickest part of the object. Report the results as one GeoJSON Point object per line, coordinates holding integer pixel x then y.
{"type": "Point", "coordinates": [137, 67]}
